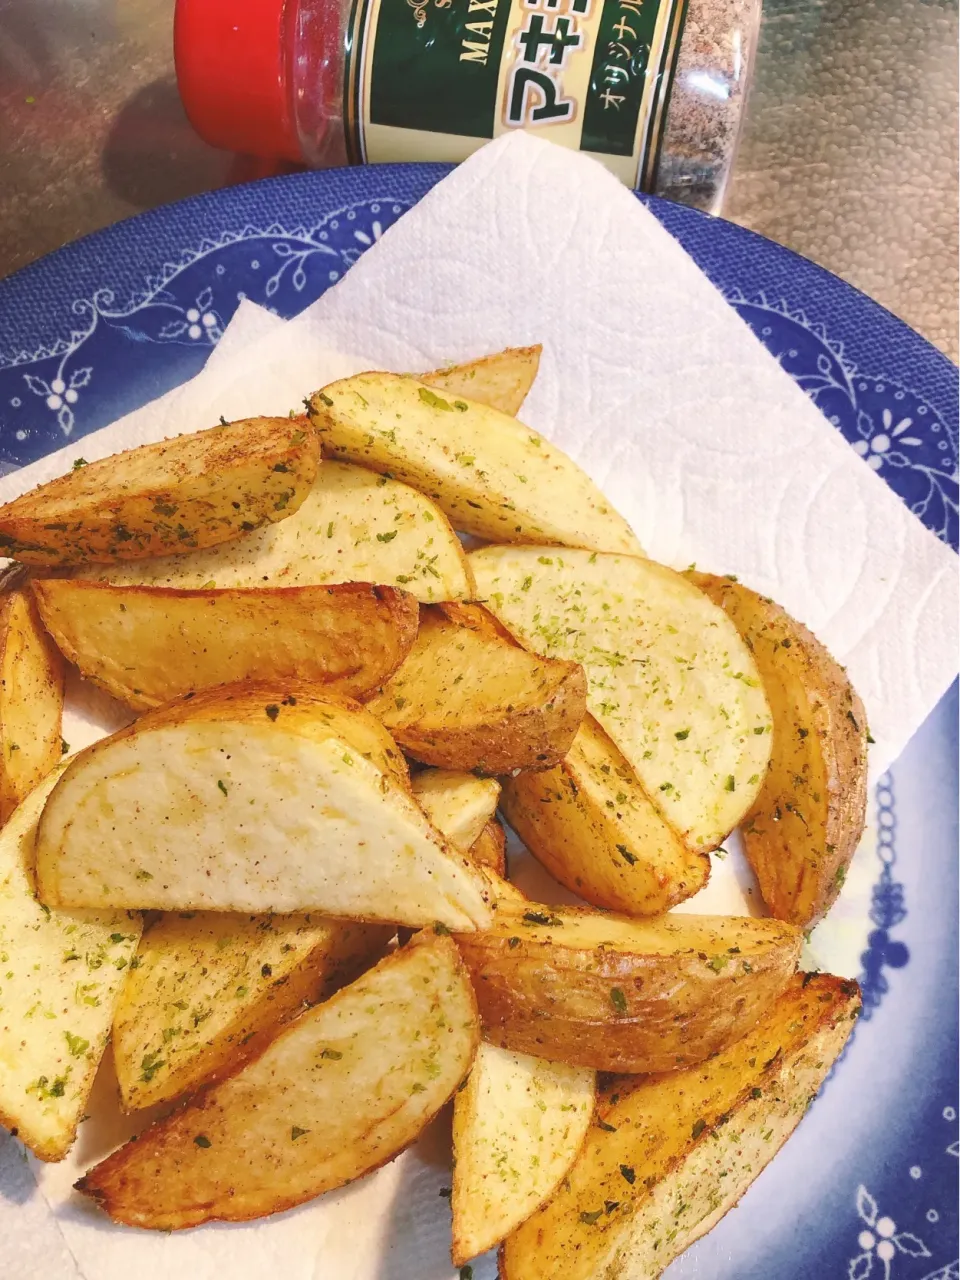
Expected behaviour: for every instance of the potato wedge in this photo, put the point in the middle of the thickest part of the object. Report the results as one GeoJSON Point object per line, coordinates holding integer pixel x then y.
{"type": "Point", "coordinates": [211, 987]}
{"type": "Point", "coordinates": [668, 676]}
{"type": "Point", "coordinates": [60, 973]}
{"type": "Point", "coordinates": [467, 613]}
{"type": "Point", "coordinates": [595, 990]}
{"type": "Point", "coordinates": [595, 829]}
{"type": "Point", "coordinates": [31, 700]}
{"type": "Point", "coordinates": [503, 893]}
{"type": "Point", "coordinates": [460, 805]}
{"type": "Point", "coordinates": [490, 848]}
{"type": "Point", "coordinates": [253, 798]}
{"type": "Point", "coordinates": [453, 810]}
{"type": "Point", "coordinates": [518, 1124]}
{"type": "Point", "coordinates": [339, 1092]}
{"type": "Point", "coordinates": [805, 825]}
{"type": "Point", "coordinates": [674, 1152]}
{"type": "Point", "coordinates": [501, 380]}
{"type": "Point", "coordinates": [192, 491]}
{"type": "Point", "coordinates": [463, 700]}
{"type": "Point", "coordinates": [454, 801]}
{"type": "Point", "coordinates": [489, 474]}
{"type": "Point", "coordinates": [353, 526]}
{"type": "Point", "coordinates": [146, 645]}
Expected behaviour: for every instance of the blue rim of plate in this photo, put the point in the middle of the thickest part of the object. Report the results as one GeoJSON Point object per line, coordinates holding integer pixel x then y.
{"type": "Point", "coordinates": [113, 320]}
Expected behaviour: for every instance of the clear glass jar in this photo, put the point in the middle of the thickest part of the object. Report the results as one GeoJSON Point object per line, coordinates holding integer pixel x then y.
{"type": "Point", "coordinates": [707, 104]}
{"type": "Point", "coordinates": [654, 89]}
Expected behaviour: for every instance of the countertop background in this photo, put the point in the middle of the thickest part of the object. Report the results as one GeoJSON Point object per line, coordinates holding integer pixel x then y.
{"type": "Point", "coordinates": [849, 154]}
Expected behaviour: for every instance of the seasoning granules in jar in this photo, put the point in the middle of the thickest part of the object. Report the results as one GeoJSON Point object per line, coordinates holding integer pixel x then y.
{"type": "Point", "coordinates": [653, 89]}
{"type": "Point", "coordinates": [707, 101]}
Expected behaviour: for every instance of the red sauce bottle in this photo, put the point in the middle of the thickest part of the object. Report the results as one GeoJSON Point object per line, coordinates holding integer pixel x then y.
{"type": "Point", "coordinates": [653, 89]}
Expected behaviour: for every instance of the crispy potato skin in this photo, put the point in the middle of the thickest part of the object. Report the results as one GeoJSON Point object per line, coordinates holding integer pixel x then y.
{"type": "Point", "coordinates": [806, 823]}
{"type": "Point", "coordinates": [661, 994]}
{"type": "Point", "coordinates": [211, 988]}
{"type": "Point", "coordinates": [671, 1154]}
{"type": "Point", "coordinates": [178, 495]}
{"type": "Point", "coordinates": [592, 825]}
{"type": "Point", "coordinates": [340, 1091]}
{"type": "Point", "coordinates": [518, 1123]}
{"type": "Point", "coordinates": [501, 380]}
{"type": "Point", "coordinates": [466, 613]}
{"type": "Point", "coordinates": [468, 700]}
{"type": "Point", "coordinates": [146, 645]}
{"type": "Point", "coordinates": [490, 848]}
{"type": "Point", "coordinates": [31, 700]}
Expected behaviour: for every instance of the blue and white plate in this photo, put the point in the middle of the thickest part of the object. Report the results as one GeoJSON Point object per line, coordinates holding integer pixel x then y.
{"type": "Point", "coordinates": [868, 1185]}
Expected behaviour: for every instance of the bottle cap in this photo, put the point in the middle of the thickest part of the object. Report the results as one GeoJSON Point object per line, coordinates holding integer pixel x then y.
{"type": "Point", "coordinates": [231, 71]}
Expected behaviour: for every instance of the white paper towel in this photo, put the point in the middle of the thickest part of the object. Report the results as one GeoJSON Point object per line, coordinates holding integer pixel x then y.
{"type": "Point", "coordinates": [658, 389]}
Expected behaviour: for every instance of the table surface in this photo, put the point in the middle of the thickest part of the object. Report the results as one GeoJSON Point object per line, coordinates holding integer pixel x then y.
{"type": "Point", "coordinates": [849, 154]}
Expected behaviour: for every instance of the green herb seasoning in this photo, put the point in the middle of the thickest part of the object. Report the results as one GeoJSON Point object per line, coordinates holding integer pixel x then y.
{"type": "Point", "coordinates": [433, 400]}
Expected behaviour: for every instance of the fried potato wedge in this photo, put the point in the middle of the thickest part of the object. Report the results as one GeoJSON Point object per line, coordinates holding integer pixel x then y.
{"type": "Point", "coordinates": [805, 825]}
{"type": "Point", "coordinates": [592, 825]}
{"type": "Point", "coordinates": [668, 676]}
{"type": "Point", "coordinates": [673, 1153]}
{"type": "Point", "coordinates": [210, 987]}
{"type": "Point", "coordinates": [353, 526]}
{"type": "Point", "coordinates": [490, 848]}
{"type": "Point", "coordinates": [463, 700]}
{"type": "Point", "coordinates": [503, 892]}
{"type": "Point", "coordinates": [178, 495]}
{"type": "Point", "coordinates": [596, 990]}
{"type": "Point", "coordinates": [31, 700]}
{"type": "Point", "coordinates": [501, 380]}
{"type": "Point", "coordinates": [61, 974]}
{"type": "Point", "coordinates": [489, 474]}
{"type": "Point", "coordinates": [340, 1091]}
{"type": "Point", "coordinates": [460, 805]}
{"type": "Point", "coordinates": [452, 805]}
{"type": "Point", "coordinates": [467, 613]}
{"type": "Point", "coordinates": [518, 1124]}
{"type": "Point", "coordinates": [146, 645]}
{"type": "Point", "coordinates": [255, 798]}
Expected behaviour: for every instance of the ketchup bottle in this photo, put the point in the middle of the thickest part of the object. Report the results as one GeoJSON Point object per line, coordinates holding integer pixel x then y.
{"type": "Point", "coordinates": [327, 82]}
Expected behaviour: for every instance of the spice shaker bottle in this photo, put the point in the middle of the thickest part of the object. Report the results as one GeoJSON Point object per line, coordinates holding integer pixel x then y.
{"type": "Point", "coordinates": [653, 89]}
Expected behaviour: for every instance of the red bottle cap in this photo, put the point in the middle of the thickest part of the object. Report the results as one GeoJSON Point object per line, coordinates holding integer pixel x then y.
{"type": "Point", "coordinates": [231, 69]}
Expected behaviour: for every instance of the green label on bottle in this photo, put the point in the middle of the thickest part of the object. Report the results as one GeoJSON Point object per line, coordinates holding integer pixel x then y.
{"type": "Point", "coordinates": [435, 79]}
{"type": "Point", "coordinates": [452, 58]}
